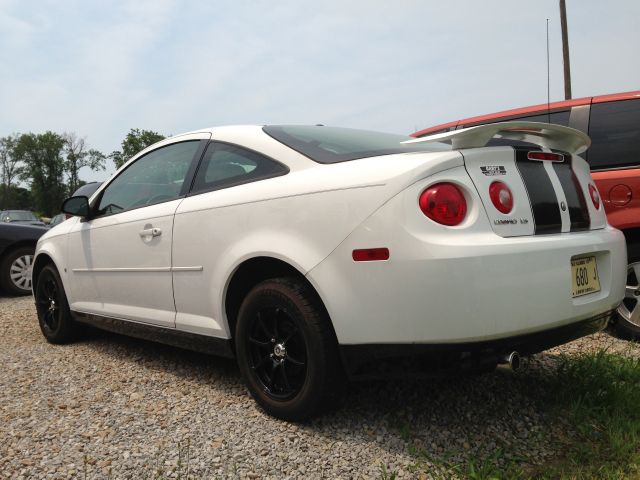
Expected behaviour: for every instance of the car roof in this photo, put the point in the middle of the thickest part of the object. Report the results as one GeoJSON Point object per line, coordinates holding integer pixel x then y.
{"type": "Point", "coordinates": [564, 104]}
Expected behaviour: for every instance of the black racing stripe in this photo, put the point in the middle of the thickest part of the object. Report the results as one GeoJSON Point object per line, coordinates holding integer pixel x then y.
{"type": "Point", "coordinates": [577, 204]}
{"type": "Point", "coordinates": [542, 196]}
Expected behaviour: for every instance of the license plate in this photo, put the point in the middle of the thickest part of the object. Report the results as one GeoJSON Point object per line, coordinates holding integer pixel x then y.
{"type": "Point", "coordinates": [584, 274]}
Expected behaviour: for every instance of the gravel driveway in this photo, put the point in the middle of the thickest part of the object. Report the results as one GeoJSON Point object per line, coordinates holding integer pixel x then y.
{"type": "Point", "coordinates": [114, 407]}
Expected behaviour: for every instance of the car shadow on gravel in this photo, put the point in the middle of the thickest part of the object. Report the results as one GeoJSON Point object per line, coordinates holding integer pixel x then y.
{"type": "Point", "coordinates": [437, 423]}
{"type": "Point", "coordinates": [183, 363]}
{"type": "Point", "coordinates": [497, 416]}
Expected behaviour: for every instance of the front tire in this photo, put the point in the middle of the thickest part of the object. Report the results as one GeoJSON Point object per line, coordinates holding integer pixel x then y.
{"type": "Point", "coordinates": [15, 271]}
{"type": "Point", "coordinates": [287, 351]}
{"type": "Point", "coordinates": [52, 307]}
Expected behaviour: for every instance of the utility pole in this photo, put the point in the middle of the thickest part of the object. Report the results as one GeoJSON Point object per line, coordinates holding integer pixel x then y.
{"type": "Point", "coordinates": [565, 50]}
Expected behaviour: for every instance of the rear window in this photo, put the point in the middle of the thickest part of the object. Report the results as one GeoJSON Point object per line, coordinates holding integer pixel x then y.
{"type": "Point", "coordinates": [333, 145]}
{"type": "Point", "coordinates": [21, 216]}
{"type": "Point", "coordinates": [614, 128]}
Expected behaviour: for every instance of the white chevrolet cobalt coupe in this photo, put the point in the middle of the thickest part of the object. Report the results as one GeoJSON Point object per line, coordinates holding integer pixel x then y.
{"type": "Point", "coordinates": [315, 254]}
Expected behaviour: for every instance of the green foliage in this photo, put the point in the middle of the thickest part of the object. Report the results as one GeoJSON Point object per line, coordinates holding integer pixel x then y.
{"type": "Point", "coordinates": [42, 156]}
{"type": "Point", "coordinates": [135, 141]}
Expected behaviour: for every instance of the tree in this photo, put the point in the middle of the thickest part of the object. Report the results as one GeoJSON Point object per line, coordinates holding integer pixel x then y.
{"type": "Point", "coordinates": [10, 166]}
{"type": "Point", "coordinates": [135, 141]}
{"type": "Point", "coordinates": [78, 155]}
{"type": "Point", "coordinates": [18, 198]}
{"type": "Point", "coordinates": [44, 167]}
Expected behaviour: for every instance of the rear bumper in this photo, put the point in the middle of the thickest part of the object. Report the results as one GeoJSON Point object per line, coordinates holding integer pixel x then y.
{"type": "Point", "coordinates": [379, 360]}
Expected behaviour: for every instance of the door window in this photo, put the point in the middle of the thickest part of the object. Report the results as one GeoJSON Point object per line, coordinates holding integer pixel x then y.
{"type": "Point", "coordinates": [226, 165]}
{"type": "Point", "coordinates": [154, 178]}
{"type": "Point", "coordinates": [614, 129]}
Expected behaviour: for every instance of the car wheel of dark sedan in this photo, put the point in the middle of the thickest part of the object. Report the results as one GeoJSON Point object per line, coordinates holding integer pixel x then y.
{"type": "Point", "coordinates": [627, 324]}
{"type": "Point", "coordinates": [15, 271]}
{"type": "Point", "coordinates": [287, 351]}
{"type": "Point", "coordinates": [53, 309]}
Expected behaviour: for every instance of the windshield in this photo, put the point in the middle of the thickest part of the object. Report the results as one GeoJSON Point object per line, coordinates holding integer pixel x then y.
{"type": "Point", "coordinates": [19, 216]}
{"type": "Point", "coordinates": [333, 145]}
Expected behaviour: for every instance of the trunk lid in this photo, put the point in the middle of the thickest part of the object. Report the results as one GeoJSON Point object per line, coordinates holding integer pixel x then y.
{"type": "Point", "coordinates": [548, 196]}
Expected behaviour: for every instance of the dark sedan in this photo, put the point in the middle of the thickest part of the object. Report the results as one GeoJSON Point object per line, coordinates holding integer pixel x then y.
{"type": "Point", "coordinates": [17, 245]}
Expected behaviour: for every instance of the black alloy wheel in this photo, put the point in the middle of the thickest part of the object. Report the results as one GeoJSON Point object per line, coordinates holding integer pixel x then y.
{"type": "Point", "coordinates": [277, 353]}
{"type": "Point", "coordinates": [51, 305]}
{"type": "Point", "coordinates": [287, 350]}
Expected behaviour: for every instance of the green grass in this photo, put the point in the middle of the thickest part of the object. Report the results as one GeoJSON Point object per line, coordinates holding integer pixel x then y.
{"type": "Point", "coordinates": [598, 396]}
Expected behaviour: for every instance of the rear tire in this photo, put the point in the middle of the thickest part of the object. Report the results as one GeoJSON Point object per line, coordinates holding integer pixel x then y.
{"type": "Point", "coordinates": [627, 323]}
{"type": "Point", "coordinates": [287, 350]}
{"type": "Point", "coordinates": [15, 271]}
{"type": "Point", "coordinates": [52, 307]}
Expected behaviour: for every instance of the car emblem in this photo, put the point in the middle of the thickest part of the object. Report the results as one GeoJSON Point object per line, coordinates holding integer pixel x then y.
{"type": "Point", "coordinates": [493, 170]}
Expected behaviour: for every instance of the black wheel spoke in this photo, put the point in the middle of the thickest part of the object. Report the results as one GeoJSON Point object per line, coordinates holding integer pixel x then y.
{"type": "Point", "coordinates": [46, 289]}
{"type": "Point", "coordinates": [261, 362]}
{"type": "Point", "coordinates": [285, 378]}
{"type": "Point", "coordinates": [260, 343]}
{"type": "Point", "coordinates": [275, 323]}
{"type": "Point", "coordinates": [294, 360]}
{"type": "Point", "coordinates": [290, 336]}
{"type": "Point", "coordinates": [270, 378]}
{"type": "Point", "coordinates": [262, 326]}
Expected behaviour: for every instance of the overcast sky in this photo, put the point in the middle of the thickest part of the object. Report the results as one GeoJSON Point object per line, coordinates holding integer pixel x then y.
{"type": "Point", "coordinates": [101, 68]}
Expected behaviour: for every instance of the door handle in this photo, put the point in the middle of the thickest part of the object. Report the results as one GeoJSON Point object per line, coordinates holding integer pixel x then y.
{"type": "Point", "coordinates": [150, 232]}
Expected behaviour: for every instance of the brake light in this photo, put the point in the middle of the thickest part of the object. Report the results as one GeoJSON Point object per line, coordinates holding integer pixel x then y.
{"type": "Point", "coordinates": [444, 203]}
{"type": "Point", "coordinates": [370, 254]}
{"type": "Point", "coordinates": [501, 197]}
{"type": "Point", "coordinates": [550, 157]}
{"type": "Point", "coordinates": [595, 196]}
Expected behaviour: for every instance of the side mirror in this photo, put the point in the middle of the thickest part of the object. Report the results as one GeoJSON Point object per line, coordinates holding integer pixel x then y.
{"type": "Point", "coordinates": [76, 206]}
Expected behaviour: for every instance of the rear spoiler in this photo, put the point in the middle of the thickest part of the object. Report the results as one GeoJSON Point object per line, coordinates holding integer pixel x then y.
{"type": "Point", "coordinates": [547, 135]}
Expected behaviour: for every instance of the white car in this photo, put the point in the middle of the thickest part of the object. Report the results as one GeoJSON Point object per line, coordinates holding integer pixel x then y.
{"type": "Point", "coordinates": [316, 254]}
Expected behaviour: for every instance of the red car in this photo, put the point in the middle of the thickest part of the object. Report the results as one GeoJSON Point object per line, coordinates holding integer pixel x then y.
{"type": "Point", "coordinates": [613, 123]}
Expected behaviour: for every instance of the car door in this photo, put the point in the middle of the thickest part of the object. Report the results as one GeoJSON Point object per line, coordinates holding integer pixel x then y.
{"type": "Point", "coordinates": [207, 225]}
{"type": "Point", "coordinates": [120, 259]}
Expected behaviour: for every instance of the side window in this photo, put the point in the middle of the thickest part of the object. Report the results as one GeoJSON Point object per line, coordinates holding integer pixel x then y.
{"type": "Point", "coordinates": [227, 165]}
{"type": "Point", "coordinates": [559, 118]}
{"type": "Point", "coordinates": [155, 178]}
{"type": "Point", "coordinates": [614, 129]}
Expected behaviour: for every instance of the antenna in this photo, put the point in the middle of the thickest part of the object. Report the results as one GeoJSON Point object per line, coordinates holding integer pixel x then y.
{"type": "Point", "coordinates": [548, 94]}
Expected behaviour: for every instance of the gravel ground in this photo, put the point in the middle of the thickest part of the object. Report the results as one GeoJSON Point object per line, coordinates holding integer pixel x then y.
{"type": "Point", "coordinates": [113, 407]}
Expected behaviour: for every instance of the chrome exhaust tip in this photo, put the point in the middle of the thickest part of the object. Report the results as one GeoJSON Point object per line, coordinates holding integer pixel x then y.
{"type": "Point", "coordinates": [513, 360]}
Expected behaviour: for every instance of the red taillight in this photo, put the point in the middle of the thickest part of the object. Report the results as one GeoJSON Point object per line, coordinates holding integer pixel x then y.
{"type": "Point", "coordinates": [501, 197]}
{"type": "Point", "coordinates": [370, 254]}
{"type": "Point", "coordinates": [550, 157]}
{"type": "Point", "coordinates": [595, 196]}
{"type": "Point", "coordinates": [444, 203]}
